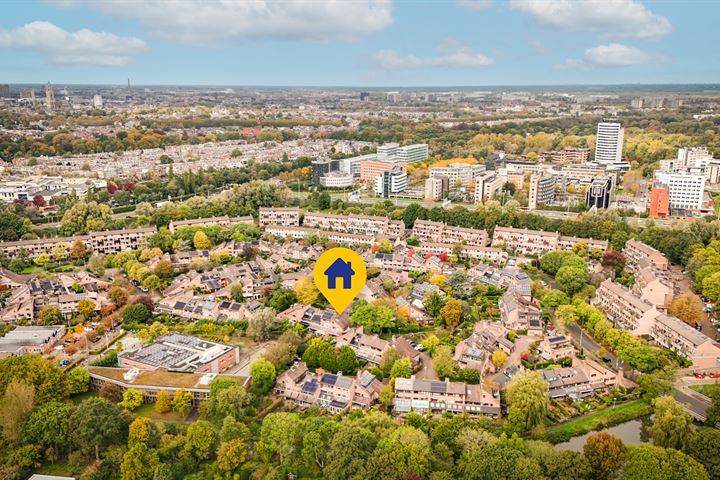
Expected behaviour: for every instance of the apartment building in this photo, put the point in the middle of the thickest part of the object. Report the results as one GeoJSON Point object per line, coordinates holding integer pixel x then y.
{"type": "Point", "coordinates": [685, 192]}
{"type": "Point", "coordinates": [674, 334]}
{"type": "Point", "coordinates": [541, 192]}
{"type": "Point", "coordinates": [636, 250]}
{"type": "Point", "coordinates": [335, 393]}
{"type": "Point", "coordinates": [487, 186]}
{"type": "Point", "coordinates": [624, 309]}
{"type": "Point", "coordinates": [609, 143]}
{"type": "Point", "coordinates": [299, 233]}
{"type": "Point", "coordinates": [176, 352]}
{"type": "Point", "coordinates": [104, 242]}
{"type": "Point", "coordinates": [571, 155]}
{"type": "Point", "coordinates": [223, 221]}
{"type": "Point", "coordinates": [438, 397]}
{"type": "Point", "coordinates": [458, 173]}
{"type": "Point", "coordinates": [436, 188]}
{"type": "Point", "coordinates": [289, 216]}
{"type": "Point", "coordinates": [659, 203]}
{"type": "Point", "coordinates": [540, 242]}
{"type": "Point", "coordinates": [494, 255]}
{"type": "Point", "coordinates": [517, 312]}
{"type": "Point", "coordinates": [370, 169]}
{"type": "Point", "coordinates": [653, 285]}
{"type": "Point", "coordinates": [360, 224]}
{"type": "Point", "coordinates": [438, 232]}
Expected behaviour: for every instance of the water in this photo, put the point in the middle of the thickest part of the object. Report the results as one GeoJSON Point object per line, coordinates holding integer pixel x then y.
{"type": "Point", "coordinates": [629, 432]}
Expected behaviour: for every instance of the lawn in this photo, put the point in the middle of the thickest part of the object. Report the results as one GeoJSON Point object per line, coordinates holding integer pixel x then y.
{"type": "Point", "coordinates": [599, 420]}
{"type": "Point", "coordinates": [148, 410]}
{"type": "Point", "coordinates": [708, 389]}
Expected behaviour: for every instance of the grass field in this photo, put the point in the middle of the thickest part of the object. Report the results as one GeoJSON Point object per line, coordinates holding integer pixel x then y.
{"type": "Point", "coordinates": [599, 420]}
{"type": "Point", "coordinates": [707, 389]}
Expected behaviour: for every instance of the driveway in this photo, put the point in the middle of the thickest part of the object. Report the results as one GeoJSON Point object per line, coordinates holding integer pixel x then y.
{"type": "Point", "coordinates": [243, 368]}
{"type": "Point", "coordinates": [426, 372]}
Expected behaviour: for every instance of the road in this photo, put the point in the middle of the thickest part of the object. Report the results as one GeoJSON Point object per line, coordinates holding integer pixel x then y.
{"type": "Point", "coordinates": [695, 403]}
{"type": "Point", "coordinates": [426, 372]}
{"type": "Point", "coordinates": [243, 368]}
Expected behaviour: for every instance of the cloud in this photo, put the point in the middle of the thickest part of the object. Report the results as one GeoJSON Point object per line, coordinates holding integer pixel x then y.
{"type": "Point", "coordinates": [210, 21]}
{"type": "Point", "coordinates": [611, 56]}
{"type": "Point", "coordinates": [609, 18]}
{"type": "Point", "coordinates": [451, 54]}
{"type": "Point", "coordinates": [81, 47]}
{"type": "Point", "coordinates": [475, 4]}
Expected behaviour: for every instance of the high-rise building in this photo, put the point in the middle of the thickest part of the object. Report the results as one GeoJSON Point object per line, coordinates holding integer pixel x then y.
{"type": "Point", "coordinates": [609, 143]}
{"type": "Point", "coordinates": [599, 192]}
{"type": "Point", "coordinates": [487, 186]}
{"type": "Point", "coordinates": [542, 191]}
{"type": "Point", "coordinates": [436, 188]}
{"type": "Point", "coordinates": [364, 96]}
{"type": "Point", "coordinates": [4, 91]}
{"type": "Point", "coordinates": [391, 181]}
{"type": "Point", "coordinates": [97, 101]}
{"type": "Point", "coordinates": [370, 169]}
{"type": "Point", "coordinates": [693, 157]}
{"type": "Point", "coordinates": [659, 202]}
{"type": "Point", "coordinates": [685, 192]}
{"type": "Point", "coordinates": [49, 97]}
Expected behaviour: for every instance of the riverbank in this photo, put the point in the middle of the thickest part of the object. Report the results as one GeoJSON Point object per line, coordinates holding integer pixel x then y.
{"type": "Point", "coordinates": [598, 421]}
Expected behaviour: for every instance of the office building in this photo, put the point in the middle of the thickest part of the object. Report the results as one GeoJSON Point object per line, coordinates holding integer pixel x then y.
{"type": "Point", "coordinates": [97, 101]}
{"type": "Point", "coordinates": [436, 188]}
{"type": "Point", "coordinates": [391, 182]}
{"type": "Point", "coordinates": [599, 193]}
{"type": "Point", "coordinates": [609, 143]}
{"type": "Point", "coordinates": [693, 157]}
{"type": "Point", "coordinates": [388, 151]}
{"type": "Point", "coordinates": [412, 153]}
{"type": "Point", "coordinates": [541, 192]}
{"type": "Point", "coordinates": [337, 180]}
{"type": "Point", "coordinates": [458, 173]}
{"type": "Point", "coordinates": [685, 192]}
{"type": "Point", "coordinates": [370, 169]}
{"type": "Point", "coordinates": [320, 168]}
{"type": "Point", "coordinates": [659, 202]}
{"type": "Point", "coordinates": [364, 96]}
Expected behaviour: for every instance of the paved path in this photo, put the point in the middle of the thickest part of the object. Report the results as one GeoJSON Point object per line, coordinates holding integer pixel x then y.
{"type": "Point", "coordinates": [426, 372]}
{"type": "Point", "coordinates": [696, 404]}
{"type": "Point", "coordinates": [243, 368]}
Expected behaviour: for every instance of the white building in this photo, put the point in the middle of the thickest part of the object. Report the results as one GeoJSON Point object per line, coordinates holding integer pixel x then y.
{"type": "Point", "coordinates": [458, 172]}
{"type": "Point", "coordinates": [387, 151]}
{"type": "Point", "coordinates": [337, 179]}
{"type": "Point", "coordinates": [97, 101]}
{"type": "Point", "coordinates": [685, 191]}
{"type": "Point", "coordinates": [391, 182]}
{"type": "Point", "coordinates": [487, 186]}
{"type": "Point", "coordinates": [417, 152]}
{"type": "Point", "coordinates": [609, 143]}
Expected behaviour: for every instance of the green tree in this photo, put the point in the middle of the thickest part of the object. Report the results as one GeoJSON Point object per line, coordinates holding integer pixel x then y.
{"type": "Point", "coordinates": [671, 425]}
{"type": "Point", "coordinates": [97, 423]}
{"type": "Point", "coordinates": [50, 315]}
{"type": "Point", "coordinates": [227, 401]}
{"type": "Point", "coordinates": [281, 299]}
{"type": "Point", "coordinates": [280, 435]}
{"type": "Point", "coordinates": [132, 399]}
{"type": "Point", "coordinates": [401, 368]}
{"type": "Point", "coordinates": [527, 399]}
{"type": "Point", "coordinates": [136, 313]}
{"type": "Point", "coordinates": [143, 430]}
{"type": "Point", "coordinates": [139, 463]}
{"type": "Point", "coordinates": [374, 318]}
{"type": "Point", "coordinates": [648, 461]}
{"type": "Point", "coordinates": [233, 429]}
{"type": "Point", "coordinates": [201, 241]}
{"type": "Point", "coordinates": [571, 279]}
{"type": "Point", "coordinates": [49, 381]}
{"type": "Point", "coordinates": [704, 446]}
{"type": "Point", "coordinates": [48, 426]}
{"type": "Point", "coordinates": [200, 440]}
{"type": "Point", "coordinates": [79, 380]}
{"type": "Point", "coordinates": [404, 450]}
{"type": "Point", "coordinates": [443, 363]}
{"type": "Point", "coordinates": [605, 453]}
{"type": "Point", "coordinates": [231, 457]}
{"type": "Point", "coordinates": [261, 324]}
{"type": "Point", "coordinates": [152, 282]}
{"type": "Point", "coordinates": [163, 404]}
{"type": "Point", "coordinates": [263, 375]}
{"type": "Point", "coordinates": [86, 308]}
{"type": "Point", "coordinates": [350, 463]}
{"type": "Point", "coordinates": [347, 361]}
{"type": "Point", "coordinates": [182, 402]}
{"type": "Point", "coordinates": [16, 403]}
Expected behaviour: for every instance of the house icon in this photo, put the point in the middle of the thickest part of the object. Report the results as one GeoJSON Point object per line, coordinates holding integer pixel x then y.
{"type": "Point", "coordinates": [339, 269]}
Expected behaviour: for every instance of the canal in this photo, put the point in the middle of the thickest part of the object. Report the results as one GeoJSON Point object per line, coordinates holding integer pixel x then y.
{"type": "Point", "coordinates": [631, 433]}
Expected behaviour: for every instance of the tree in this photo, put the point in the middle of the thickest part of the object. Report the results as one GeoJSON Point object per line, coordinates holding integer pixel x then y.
{"type": "Point", "coordinates": [671, 425]}
{"type": "Point", "coordinates": [79, 380]}
{"type": "Point", "coordinates": [281, 299]}
{"type": "Point", "coordinates": [17, 403]}
{"type": "Point", "coordinates": [42, 260]}
{"type": "Point", "coordinates": [305, 291]}
{"type": "Point", "coordinates": [346, 360]}
{"type": "Point", "coordinates": [137, 313]}
{"type": "Point", "coordinates": [78, 251]}
{"type": "Point", "coordinates": [605, 453]}
{"type": "Point", "coordinates": [182, 402]}
{"type": "Point", "coordinates": [279, 435]}
{"type": "Point", "coordinates": [152, 282]}
{"type": "Point", "coordinates": [200, 440]}
{"type": "Point", "coordinates": [153, 332]}
{"type": "Point", "coordinates": [237, 293]}
{"type": "Point", "coordinates": [401, 368]}
{"type": "Point", "coordinates": [164, 269]}
{"type": "Point", "coordinates": [555, 298]}
{"type": "Point", "coordinates": [97, 423]}
{"type": "Point", "coordinates": [118, 295]}
{"type": "Point", "coordinates": [261, 324]}
{"type": "Point", "coordinates": [704, 446]}
{"type": "Point", "coordinates": [443, 363]}
{"type": "Point", "coordinates": [263, 375]}
{"type": "Point", "coordinates": [571, 279]}
{"type": "Point", "coordinates": [388, 359]}
{"type": "Point", "coordinates": [648, 461]}
{"type": "Point", "coordinates": [50, 315]}
{"type": "Point", "coordinates": [402, 451]}
{"type": "Point", "coordinates": [86, 308]}
{"type": "Point", "coordinates": [201, 241]}
{"type": "Point", "coordinates": [688, 308]}
{"type": "Point", "coordinates": [227, 399]}
{"type": "Point", "coordinates": [139, 463]}
{"type": "Point", "coordinates": [492, 461]}
{"type": "Point", "coordinates": [526, 396]}
{"type": "Point", "coordinates": [163, 404]}
{"type": "Point", "coordinates": [433, 302]}
{"type": "Point", "coordinates": [48, 426]}
{"type": "Point", "coordinates": [233, 429]}
{"type": "Point", "coordinates": [551, 262]}
{"type": "Point", "coordinates": [231, 456]}
{"type": "Point", "coordinates": [132, 399]}
{"type": "Point", "coordinates": [452, 312]}
{"type": "Point", "coordinates": [350, 463]}
{"type": "Point", "coordinates": [498, 358]}
{"type": "Point", "coordinates": [143, 430]}
{"type": "Point", "coordinates": [374, 318]}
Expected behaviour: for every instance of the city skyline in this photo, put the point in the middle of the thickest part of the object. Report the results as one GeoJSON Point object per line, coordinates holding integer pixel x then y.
{"type": "Point", "coordinates": [373, 43]}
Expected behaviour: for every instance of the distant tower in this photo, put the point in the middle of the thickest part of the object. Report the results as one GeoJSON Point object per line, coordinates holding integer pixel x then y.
{"type": "Point", "coordinates": [49, 97]}
{"type": "Point", "coordinates": [128, 83]}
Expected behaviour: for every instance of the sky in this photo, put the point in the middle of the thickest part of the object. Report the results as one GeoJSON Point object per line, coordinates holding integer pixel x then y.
{"type": "Point", "coordinates": [359, 42]}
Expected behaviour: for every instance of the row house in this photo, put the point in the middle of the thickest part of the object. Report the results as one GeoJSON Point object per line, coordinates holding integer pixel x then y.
{"type": "Point", "coordinates": [224, 221]}
{"type": "Point", "coordinates": [105, 242]}
{"type": "Point", "coordinates": [624, 309]}
{"type": "Point", "coordinates": [476, 350]}
{"type": "Point", "coordinates": [490, 254]}
{"type": "Point", "coordinates": [287, 216]}
{"type": "Point", "coordinates": [299, 233]}
{"type": "Point", "coordinates": [360, 224]}
{"type": "Point", "coordinates": [198, 308]}
{"type": "Point", "coordinates": [403, 263]}
{"type": "Point", "coordinates": [20, 306]}
{"type": "Point", "coordinates": [438, 232]}
{"type": "Point", "coordinates": [635, 251]}
{"type": "Point", "coordinates": [517, 312]}
{"type": "Point", "coordinates": [676, 335]}
{"type": "Point", "coordinates": [366, 346]}
{"type": "Point", "coordinates": [323, 323]}
{"type": "Point", "coordinates": [540, 242]}
{"type": "Point", "coordinates": [510, 278]}
{"type": "Point", "coordinates": [438, 397]}
{"type": "Point", "coordinates": [335, 393]}
{"type": "Point", "coordinates": [555, 347]}
{"type": "Point", "coordinates": [567, 243]}
{"type": "Point", "coordinates": [584, 378]}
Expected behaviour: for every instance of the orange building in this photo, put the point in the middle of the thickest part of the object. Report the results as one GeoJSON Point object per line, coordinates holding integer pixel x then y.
{"type": "Point", "coordinates": [369, 169]}
{"type": "Point", "coordinates": [659, 203]}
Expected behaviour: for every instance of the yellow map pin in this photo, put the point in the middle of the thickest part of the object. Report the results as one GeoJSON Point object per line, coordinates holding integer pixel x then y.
{"type": "Point", "coordinates": [340, 274]}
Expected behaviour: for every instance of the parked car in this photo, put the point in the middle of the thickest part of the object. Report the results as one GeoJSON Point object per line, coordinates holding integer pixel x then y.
{"type": "Point", "coordinates": [699, 375]}
{"type": "Point", "coordinates": [714, 375]}
{"type": "Point", "coordinates": [64, 362]}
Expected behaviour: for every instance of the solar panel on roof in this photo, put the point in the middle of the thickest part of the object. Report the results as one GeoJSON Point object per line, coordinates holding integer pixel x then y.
{"type": "Point", "coordinates": [534, 323]}
{"type": "Point", "coordinates": [328, 379]}
{"type": "Point", "coordinates": [224, 304]}
{"type": "Point", "coordinates": [310, 386]}
{"type": "Point", "coordinates": [438, 387]}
